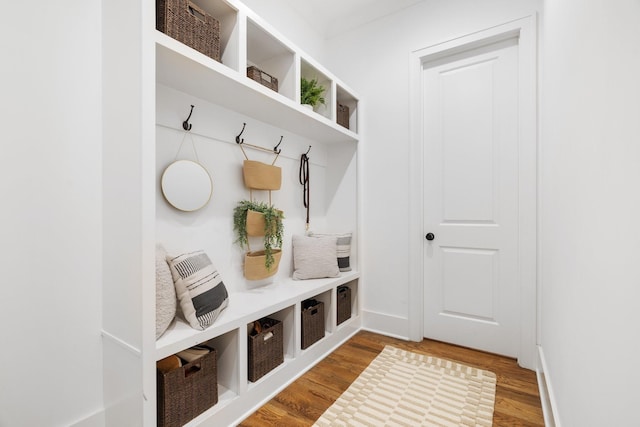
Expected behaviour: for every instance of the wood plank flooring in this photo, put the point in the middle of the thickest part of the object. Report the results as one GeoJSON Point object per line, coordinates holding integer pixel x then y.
{"type": "Point", "coordinates": [302, 402]}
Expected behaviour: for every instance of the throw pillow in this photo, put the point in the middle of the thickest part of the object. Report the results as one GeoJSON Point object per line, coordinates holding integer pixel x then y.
{"type": "Point", "coordinates": [343, 246]}
{"type": "Point", "coordinates": [165, 293]}
{"type": "Point", "coordinates": [314, 257]}
{"type": "Point", "coordinates": [199, 287]}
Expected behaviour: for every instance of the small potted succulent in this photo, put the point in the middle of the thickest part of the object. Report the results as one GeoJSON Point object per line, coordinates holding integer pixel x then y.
{"type": "Point", "coordinates": [311, 92]}
{"type": "Point", "coordinates": [251, 219]}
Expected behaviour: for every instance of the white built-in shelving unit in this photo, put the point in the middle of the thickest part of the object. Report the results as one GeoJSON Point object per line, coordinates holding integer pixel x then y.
{"type": "Point", "coordinates": [172, 71]}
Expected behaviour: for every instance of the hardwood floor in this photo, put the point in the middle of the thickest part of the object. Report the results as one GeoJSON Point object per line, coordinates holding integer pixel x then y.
{"type": "Point", "coordinates": [302, 402]}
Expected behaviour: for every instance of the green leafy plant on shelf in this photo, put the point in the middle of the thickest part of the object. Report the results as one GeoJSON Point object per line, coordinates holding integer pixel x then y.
{"type": "Point", "coordinates": [273, 227]}
{"type": "Point", "coordinates": [311, 92]}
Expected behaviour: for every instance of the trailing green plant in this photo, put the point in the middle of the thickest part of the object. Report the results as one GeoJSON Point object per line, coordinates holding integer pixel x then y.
{"type": "Point", "coordinates": [311, 92]}
{"type": "Point", "coordinates": [273, 228]}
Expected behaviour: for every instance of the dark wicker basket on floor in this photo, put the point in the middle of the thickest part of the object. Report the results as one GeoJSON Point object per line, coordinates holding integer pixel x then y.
{"type": "Point", "coordinates": [186, 22]}
{"type": "Point", "coordinates": [263, 78]}
{"type": "Point", "coordinates": [186, 392]}
{"type": "Point", "coordinates": [265, 350]}
{"type": "Point", "coordinates": [343, 115]}
{"type": "Point", "coordinates": [344, 304]}
{"type": "Point", "coordinates": [312, 324]}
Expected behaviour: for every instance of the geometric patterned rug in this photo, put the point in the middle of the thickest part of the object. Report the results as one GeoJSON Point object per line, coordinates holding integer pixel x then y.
{"type": "Point", "coordinates": [402, 388]}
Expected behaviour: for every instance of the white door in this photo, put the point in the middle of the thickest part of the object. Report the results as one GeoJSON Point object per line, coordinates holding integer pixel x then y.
{"type": "Point", "coordinates": [470, 139]}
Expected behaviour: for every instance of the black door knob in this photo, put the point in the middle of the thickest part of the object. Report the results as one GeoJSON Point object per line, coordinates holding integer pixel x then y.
{"type": "Point", "coordinates": [430, 236]}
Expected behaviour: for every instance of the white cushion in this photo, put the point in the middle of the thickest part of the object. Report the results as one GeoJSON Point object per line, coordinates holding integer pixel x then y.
{"type": "Point", "coordinates": [344, 248]}
{"type": "Point", "coordinates": [314, 257]}
{"type": "Point", "coordinates": [165, 293]}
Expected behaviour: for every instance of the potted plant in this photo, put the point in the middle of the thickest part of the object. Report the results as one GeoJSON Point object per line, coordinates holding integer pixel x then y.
{"type": "Point", "coordinates": [259, 219]}
{"type": "Point", "coordinates": [311, 92]}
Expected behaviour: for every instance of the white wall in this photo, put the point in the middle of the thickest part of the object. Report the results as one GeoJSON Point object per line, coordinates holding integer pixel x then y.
{"type": "Point", "coordinates": [590, 234]}
{"type": "Point", "coordinates": [211, 228]}
{"type": "Point", "coordinates": [50, 221]}
{"type": "Point", "coordinates": [290, 24]}
{"type": "Point", "coordinates": [374, 60]}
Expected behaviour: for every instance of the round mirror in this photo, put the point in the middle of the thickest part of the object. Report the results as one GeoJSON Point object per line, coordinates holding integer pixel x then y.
{"type": "Point", "coordinates": [186, 185]}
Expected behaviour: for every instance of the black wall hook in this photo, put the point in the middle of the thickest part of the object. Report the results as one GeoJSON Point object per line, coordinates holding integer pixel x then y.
{"type": "Point", "coordinates": [238, 140]}
{"type": "Point", "coordinates": [275, 149]}
{"type": "Point", "coordinates": [308, 151]}
{"type": "Point", "coordinates": [186, 125]}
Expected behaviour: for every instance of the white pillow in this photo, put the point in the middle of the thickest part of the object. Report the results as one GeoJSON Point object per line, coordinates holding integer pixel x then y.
{"type": "Point", "coordinates": [165, 293]}
{"type": "Point", "coordinates": [199, 287]}
{"type": "Point", "coordinates": [344, 248]}
{"type": "Point", "coordinates": [314, 257]}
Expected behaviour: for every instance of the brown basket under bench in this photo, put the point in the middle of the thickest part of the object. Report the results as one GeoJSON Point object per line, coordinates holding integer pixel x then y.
{"type": "Point", "coordinates": [344, 303]}
{"type": "Point", "coordinates": [187, 391]}
{"type": "Point", "coordinates": [265, 348]}
{"type": "Point", "coordinates": [312, 322]}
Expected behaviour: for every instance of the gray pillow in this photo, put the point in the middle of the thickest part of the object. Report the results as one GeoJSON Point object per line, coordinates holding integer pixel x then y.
{"type": "Point", "coordinates": [314, 257]}
{"type": "Point", "coordinates": [199, 287]}
{"type": "Point", "coordinates": [165, 293]}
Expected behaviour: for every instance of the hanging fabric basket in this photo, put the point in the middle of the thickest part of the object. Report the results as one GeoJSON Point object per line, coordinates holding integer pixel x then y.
{"type": "Point", "coordinates": [261, 176]}
{"type": "Point", "coordinates": [256, 224]}
{"type": "Point", "coordinates": [254, 265]}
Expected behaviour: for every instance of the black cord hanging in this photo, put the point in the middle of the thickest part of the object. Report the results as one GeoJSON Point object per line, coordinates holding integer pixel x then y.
{"type": "Point", "coordinates": [304, 181]}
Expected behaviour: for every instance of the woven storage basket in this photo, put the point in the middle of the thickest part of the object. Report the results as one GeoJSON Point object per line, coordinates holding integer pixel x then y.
{"type": "Point", "coordinates": [265, 350]}
{"type": "Point", "coordinates": [254, 73]}
{"type": "Point", "coordinates": [312, 324]}
{"type": "Point", "coordinates": [254, 268]}
{"type": "Point", "coordinates": [344, 304]}
{"type": "Point", "coordinates": [186, 392]}
{"type": "Point", "coordinates": [261, 176]}
{"type": "Point", "coordinates": [343, 115]}
{"type": "Point", "coordinates": [186, 22]}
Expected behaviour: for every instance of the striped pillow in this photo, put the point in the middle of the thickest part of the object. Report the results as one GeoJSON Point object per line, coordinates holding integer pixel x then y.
{"type": "Point", "coordinates": [199, 288]}
{"type": "Point", "coordinates": [344, 248]}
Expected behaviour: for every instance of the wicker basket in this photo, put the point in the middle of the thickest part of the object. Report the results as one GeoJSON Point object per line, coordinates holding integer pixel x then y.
{"type": "Point", "coordinates": [343, 115]}
{"type": "Point", "coordinates": [312, 324]}
{"type": "Point", "coordinates": [254, 73]}
{"type": "Point", "coordinates": [186, 22]}
{"type": "Point", "coordinates": [254, 268]}
{"type": "Point", "coordinates": [266, 350]}
{"type": "Point", "coordinates": [344, 304]}
{"type": "Point", "coordinates": [261, 176]}
{"type": "Point", "coordinates": [186, 392]}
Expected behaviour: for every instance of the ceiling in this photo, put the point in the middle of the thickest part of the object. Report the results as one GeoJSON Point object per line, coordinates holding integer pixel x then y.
{"type": "Point", "coordinates": [332, 17]}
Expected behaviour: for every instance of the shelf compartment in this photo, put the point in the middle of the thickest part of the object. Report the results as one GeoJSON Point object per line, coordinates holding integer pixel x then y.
{"type": "Point", "coordinates": [227, 348]}
{"type": "Point", "coordinates": [272, 57]}
{"type": "Point", "coordinates": [310, 72]}
{"type": "Point", "coordinates": [228, 34]}
{"type": "Point", "coordinates": [346, 99]}
{"type": "Point", "coordinates": [214, 82]}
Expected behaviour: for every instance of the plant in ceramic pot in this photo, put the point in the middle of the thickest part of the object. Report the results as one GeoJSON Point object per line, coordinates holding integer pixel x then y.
{"type": "Point", "coordinates": [259, 219]}
{"type": "Point", "coordinates": [311, 92]}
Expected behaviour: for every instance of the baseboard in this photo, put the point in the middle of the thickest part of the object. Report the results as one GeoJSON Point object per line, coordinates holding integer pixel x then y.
{"type": "Point", "coordinates": [547, 397]}
{"type": "Point", "coordinates": [385, 324]}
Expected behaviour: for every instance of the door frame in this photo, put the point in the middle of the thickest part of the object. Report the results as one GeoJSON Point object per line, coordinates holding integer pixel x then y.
{"type": "Point", "coordinates": [526, 31]}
